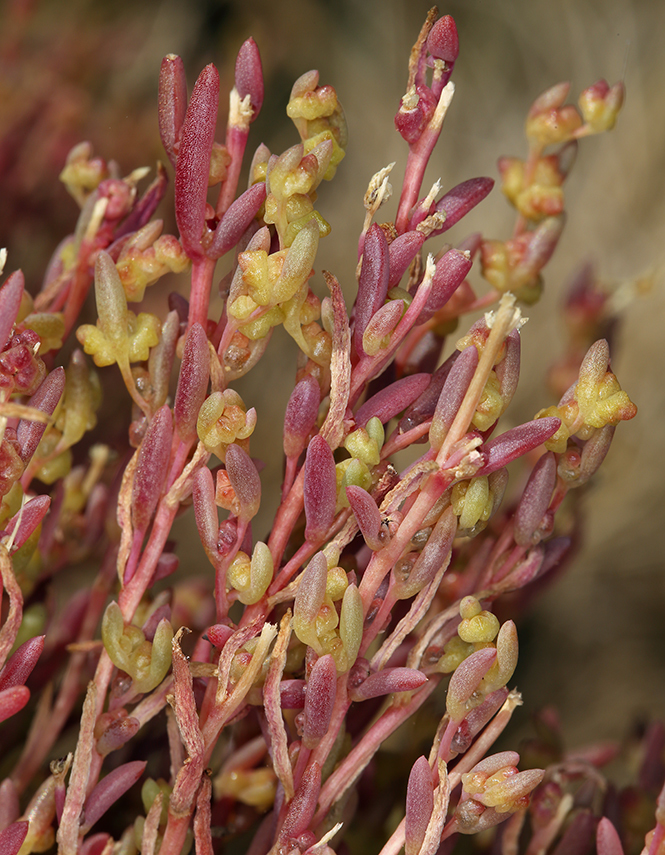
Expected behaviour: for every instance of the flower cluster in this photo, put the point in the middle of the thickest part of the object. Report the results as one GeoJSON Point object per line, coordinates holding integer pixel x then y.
{"type": "Point", "coordinates": [377, 591]}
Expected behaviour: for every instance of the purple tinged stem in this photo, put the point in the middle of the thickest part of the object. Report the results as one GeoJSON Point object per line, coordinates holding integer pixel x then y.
{"type": "Point", "coordinates": [320, 489]}
{"type": "Point", "coordinates": [393, 399]}
{"type": "Point", "coordinates": [151, 467]}
{"type": "Point", "coordinates": [45, 399]}
{"type": "Point", "coordinates": [245, 481]}
{"type": "Point", "coordinates": [192, 383]}
{"type": "Point", "coordinates": [319, 700]}
{"type": "Point", "coordinates": [193, 165]}
{"type": "Point", "coordinates": [419, 805]}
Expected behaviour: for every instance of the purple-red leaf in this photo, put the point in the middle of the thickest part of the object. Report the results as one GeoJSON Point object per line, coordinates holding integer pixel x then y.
{"type": "Point", "coordinates": [453, 392]}
{"type": "Point", "coordinates": [450, 272]}
{"type": "Point", "coordinates": [27, 519]}
{"type": "Point", "coordinates": [205, 510]}
{"type": "Point", "coordinates": [419, 805]}
{"type": "Point", "coordinates": [393, 399]}
{"type": "Point", "coordinates": [13, 700]}
{"type": "Point", "coordinates": [172, 103]}
{"type": "Point", "coordinates": [192, 383]}
{"type": "Point", "coordinates": [517, 442]}
{"type": "Point", "coordinates": [461, 199]}
{"type": "Point", "coordinates": [373, 282]}
{"type": "Point", "coordinates": [10, 300]}
{"type": "Point", "coordinates": [303, 805]}
{"type": "Point", "coordinates": [319, 700]}
{"type": "Point", "coordinates": [386, 682]}
{"type": "Point", "coordinates": [11, 839]}
{"type": "Point", "coordinates": [237, 219]}
{"type": "Point", "coordinates": [22, 661]}
{"type": "Point", "coordinates": [249, 75]}
{"type": "Point", "coordinates": [46, 399]}
{"type": "Point", "coordinates": [367, 515]}
{"type": "Point", "coordinates": [401, 253]}
{"type": "Point", "coordinates": [152, 467]}
{"type": "Point", "coordinates": [109, 790]}
{"type": "Point", "coordinates": [193, 165]}
{"type": "Point", "coordinates": [320, 489]}
{"type": "Point", "coordinates": [535, 499]}
{"type": "Point", "coordinates": [300, 415]}
{"type": "Point", "coordinates": [245, 481]}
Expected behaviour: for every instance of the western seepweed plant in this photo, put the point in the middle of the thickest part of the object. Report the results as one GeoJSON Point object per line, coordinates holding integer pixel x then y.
{"type": "Point", "coordinates": [374, 591]}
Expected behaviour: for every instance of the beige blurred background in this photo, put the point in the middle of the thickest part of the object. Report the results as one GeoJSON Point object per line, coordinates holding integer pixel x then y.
{"type": "Point", "coordinates": [595, 645]}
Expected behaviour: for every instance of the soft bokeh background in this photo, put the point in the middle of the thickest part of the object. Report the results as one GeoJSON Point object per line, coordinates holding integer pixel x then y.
{"type": "Point", "coordinates": [595, 645]}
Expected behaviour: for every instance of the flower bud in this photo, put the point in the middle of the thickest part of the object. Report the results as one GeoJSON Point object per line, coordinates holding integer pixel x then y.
{"type": "Point", "coordinates": [600, 105]}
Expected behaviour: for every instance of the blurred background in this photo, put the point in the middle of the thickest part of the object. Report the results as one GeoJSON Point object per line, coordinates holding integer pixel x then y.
{"type": "Point", "coordinates": [595, 644]}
